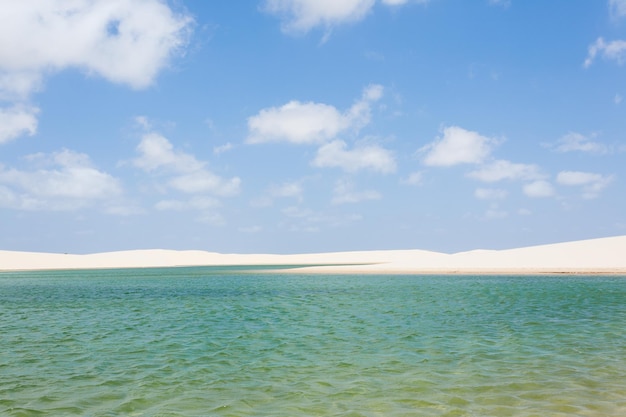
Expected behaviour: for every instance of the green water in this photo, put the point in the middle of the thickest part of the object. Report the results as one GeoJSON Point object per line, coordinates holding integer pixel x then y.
{"type": "Point", "coordinates": [224, 342]}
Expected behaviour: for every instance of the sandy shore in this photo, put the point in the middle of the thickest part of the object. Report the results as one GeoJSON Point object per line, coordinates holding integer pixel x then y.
{"type": "Point", "coordinates": [595, 256]}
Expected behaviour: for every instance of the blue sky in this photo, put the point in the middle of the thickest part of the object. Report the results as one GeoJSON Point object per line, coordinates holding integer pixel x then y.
{"type": "Point", "coordinates": [285, 126]}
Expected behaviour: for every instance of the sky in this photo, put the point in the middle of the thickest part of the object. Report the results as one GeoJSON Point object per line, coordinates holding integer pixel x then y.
{"type": "Point", "coordinates": [298, 126]}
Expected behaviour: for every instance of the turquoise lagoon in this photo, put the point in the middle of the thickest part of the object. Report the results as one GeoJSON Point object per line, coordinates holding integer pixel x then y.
{"type": "Point", "coordinates": [238, 342]}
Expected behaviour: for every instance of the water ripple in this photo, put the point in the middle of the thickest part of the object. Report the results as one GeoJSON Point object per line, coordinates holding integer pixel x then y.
{"type": "Point", "coordinates": [200, 341]}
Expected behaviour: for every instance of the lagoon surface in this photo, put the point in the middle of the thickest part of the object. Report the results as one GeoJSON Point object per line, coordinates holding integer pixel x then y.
{"type": "Point", "coordinates": [235, 342]}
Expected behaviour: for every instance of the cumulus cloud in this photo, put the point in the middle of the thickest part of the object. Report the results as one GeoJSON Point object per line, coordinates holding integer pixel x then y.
{"type": "Point", "coordinates": [124, 41]}
{"type": "Point", "coordinates": [204, 181]}
{"type": "Point", "coordinates": [287, 189]}
{"type": "Point", "coordinates": [195, 203]}
{"type": "Point", "coordinates": [66, 180]}
{"type": "Point", "coordinates": [614, 50]}
{"type": "Point", "coordinates": [539, 189]}
{"type": "Point", "coordinates": [185, 172]}
{"type": "Point", "coordinates": [506, 170]}
{"type": "Point", "coordinates": [371, 157]}
{"type": "Point", "coordinates": [18, 87]}
{"type": "Point", "coordinates": [457, 146]}
{"type": "Point", "coordinates": [414, 178]}
{"type": "Point", "coordinates": [495, 212]}
{"type": "Point", "coordinates": [298, 212]}
{"type": "Point", "coordinates": [490, 194]}
{"type": "Point", "coordinates": [284, 190]}
{"type": "Point", "coordinates": [592, 184]}
{"type": "Point", "coordinates": [310, 123]}
{"type": "Point", "coordinates": [577, 178]}
{"type": "Point", "coordinates": [296, 122]}
{"type": "Point", "coordinates": [222, 148]}
{"type": "Point", "coordinates": [157, 152]}
{"type": "Point", "coordinates": [300, 16]}
{"type": "Point", "coordinates": [17, 121]}
{"type": "Point", "coordinates": [344, 193]}
{"type": "Point", "coordinates": [573, 141]}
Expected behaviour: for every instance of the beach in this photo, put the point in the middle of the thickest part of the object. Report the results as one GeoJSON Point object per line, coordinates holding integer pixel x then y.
{"type": "Point", "coordinates": [593, 256]}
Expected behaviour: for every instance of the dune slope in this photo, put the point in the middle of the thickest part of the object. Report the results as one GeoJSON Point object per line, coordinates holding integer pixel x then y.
{"type": "Point", "coordinates": [604, 255]}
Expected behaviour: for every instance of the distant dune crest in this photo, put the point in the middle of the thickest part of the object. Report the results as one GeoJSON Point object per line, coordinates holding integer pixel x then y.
{"type": "Point", "coordinates": [601, 256]}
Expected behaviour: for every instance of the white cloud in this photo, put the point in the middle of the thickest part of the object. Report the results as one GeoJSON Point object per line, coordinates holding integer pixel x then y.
{"type": "Point", "coordinates": [303, 15]}
{"type": "Point", "coordinates": [157, 152]}
{"type": "Point", "coordinates": [591, 183]}
{"type": "Point", "coordinates": [343, 193]}
{"type": "Point", "coordinates": [71, 182]}
{"type": "Point", "coordinates": [614, 50]}
{"type": "Point", "coordinates": [17, 121]}
{"type": "Point", "coordinates": [371, 157]}
{"type": "Point", "coordinates": [394, 2]}
{"type": "Point", "coordinates": [222, 148]}
{"type": "Point", "coordinates": [490, 194]}
{"type": "Point", "coordinates": [187, 173]}
{"type": "Point", "coordinates": [300, 16]}
{"type": "Point", "coordinates": [124, 41]}
{"type": "Point", "coordinates": [505, 170]}
{"type": "Point", "coordinates": [617, 8]}
{"type": "Point", "coordinates": [495, 212]}
{"type": "Point", "coordinates": [576, 142]}
{"type": "Point", "coordinates": [18, 86]}
{"type": "Point", "coordinates": [401, 2]}
{"type": "Point", "coordinates": [618, 99]}
{"type": "Point", "coordinates": [457, 146]}
{"type": "Point", "coordinates": [414, 178]}
{"type": "Point", "coordinates": [298, 212]}
{"type": "Point", "coordinates": [285, 190]}
{"type": "Point", "coordinates": [204, 181]}
{"type": "Point", "coordinates": [296, 122]}
{"type": "Point", "coordinates": [288, 189]}
{"type": "Point", "coordinates": [359, 114]}
{"type": "Point", "coordinates": [143, 122]}
{"type": "Point", "coordinates": [310, 123]}
{"type": "Point", "coordinates": [577, 178]}
{"type": "Point", "coordinates": [196, 203]}
{"type": "Point", "coordinates": [539, 189]}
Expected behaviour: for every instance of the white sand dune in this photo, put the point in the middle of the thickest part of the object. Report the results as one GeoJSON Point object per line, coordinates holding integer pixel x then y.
{"type": "Point", "coordinates": [605, 255]}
